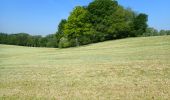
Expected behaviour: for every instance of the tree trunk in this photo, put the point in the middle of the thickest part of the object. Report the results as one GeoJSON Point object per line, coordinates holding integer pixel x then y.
{"type": "Point", "coordinates": [77, 42]}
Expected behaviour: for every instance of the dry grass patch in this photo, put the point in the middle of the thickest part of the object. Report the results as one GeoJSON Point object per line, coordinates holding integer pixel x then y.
{"type": "Point", "coordinates": [134, 68]}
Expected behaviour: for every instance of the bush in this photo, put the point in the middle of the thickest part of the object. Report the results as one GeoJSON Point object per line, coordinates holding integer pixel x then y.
{"type": "Point", "coordinates": [64, 43]}
{"type": "Point", "coordinates": [85, 40]}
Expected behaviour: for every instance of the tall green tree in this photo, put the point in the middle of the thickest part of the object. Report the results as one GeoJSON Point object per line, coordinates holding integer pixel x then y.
{"type": "Point", "coordinates": [101, 12]}
{"type": "Point", "coordinates": [140, 24]}
{"type": "Point", "coordinates": [60, 32]}
{"type": "Point", "coordinates": [77, 25]}
{"type": "Point", "coordinates": [110, 20]}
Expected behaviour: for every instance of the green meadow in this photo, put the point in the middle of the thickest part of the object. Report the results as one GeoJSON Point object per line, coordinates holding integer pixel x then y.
{"type": "Point", "coordinates": [126, 69]}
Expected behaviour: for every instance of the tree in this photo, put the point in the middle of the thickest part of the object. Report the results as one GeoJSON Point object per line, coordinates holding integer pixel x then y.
{"type": "Point", "coordinates": [51, 41]}
{"type": "Point", "coordinates": [162, 32]}
{"type": "Point", "coordinates": [64, 43]}
{"type": "Point", "coordinates": [110, 20]}
{"type": "Point", "coordinates": [101, 17]}
{"type": "Point", "coordinates": [140, 24]}
{"type": "Point", "coordinates": [60, 32]}
{"type": "Point", "coordinates": [4, 38]}
{"type": "Point", "coordinates": [151, 32]}
{"type": "Point", "coordinates": [61, 26]}
{"type": "Point", "coordinates": [77, 25]}
{"type": "Point", "coordinates": [167, 32]}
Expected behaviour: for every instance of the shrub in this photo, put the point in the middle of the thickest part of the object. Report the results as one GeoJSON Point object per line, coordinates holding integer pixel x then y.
{"type": "Point", "coordinates": [64, 43]}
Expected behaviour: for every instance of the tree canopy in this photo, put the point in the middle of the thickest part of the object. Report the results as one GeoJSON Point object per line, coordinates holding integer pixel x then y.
{"type": "Point", "coordinates": [101, 20]}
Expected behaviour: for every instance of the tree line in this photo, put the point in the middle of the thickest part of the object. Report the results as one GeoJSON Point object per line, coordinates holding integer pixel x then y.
{"type": "Point", "coordinates": [99, 21]}
{"type": "Point", "coordinates": [24, 39]}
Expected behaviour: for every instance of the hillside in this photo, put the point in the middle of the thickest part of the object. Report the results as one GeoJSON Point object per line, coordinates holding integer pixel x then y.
{"type": "Point", "coordinates": [132, 68]}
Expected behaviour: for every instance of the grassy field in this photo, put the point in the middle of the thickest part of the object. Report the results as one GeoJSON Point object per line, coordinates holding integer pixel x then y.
{"type": "Point", "coordinates": [128, 69]}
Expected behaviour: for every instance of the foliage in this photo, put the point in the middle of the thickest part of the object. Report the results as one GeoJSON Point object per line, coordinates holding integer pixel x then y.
{"type": "Point", "coordinates": [164, 32]}
{"type": "Point", "coordinates": [77, 25]}
{"type": "Point", "coordinates": [140, 24]}
{"type": "Point", "coordinates": [102, 20]}
{"type": "Point", "coordinates": [60, 33]}
{"type": "Point", "coordinates": [151, 32]}
{"type": "Point", "coordinates": [64, 43]}
{"type": "Point", "coordinates": [24, 39]}
{"type": "Point", "coordinates": [154, 32]}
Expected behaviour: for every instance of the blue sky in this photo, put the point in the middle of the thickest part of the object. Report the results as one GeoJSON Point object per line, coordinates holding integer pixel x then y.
{"type": "Point", "coordinates": [41, 17]}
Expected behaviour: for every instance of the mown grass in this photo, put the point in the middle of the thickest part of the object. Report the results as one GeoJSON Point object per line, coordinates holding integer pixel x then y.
{"type": "Point", "coordinates": [128, 69]}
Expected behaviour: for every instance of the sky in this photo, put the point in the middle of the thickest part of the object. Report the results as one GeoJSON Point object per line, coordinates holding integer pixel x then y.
{"type": "Point", "coordinates": [41, 17]}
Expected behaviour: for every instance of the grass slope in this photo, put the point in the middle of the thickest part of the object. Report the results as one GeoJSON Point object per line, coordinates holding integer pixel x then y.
{"type": "Point", "coordinates": [133, 68]}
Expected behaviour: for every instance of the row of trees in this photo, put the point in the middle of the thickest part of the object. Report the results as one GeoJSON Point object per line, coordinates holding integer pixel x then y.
{"type": "Point", "coordinates": [99, 21]}
{"type": "Point", "coordinates": [154, 32]}
{"type": "Point", "coordinates": [24, 39]}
